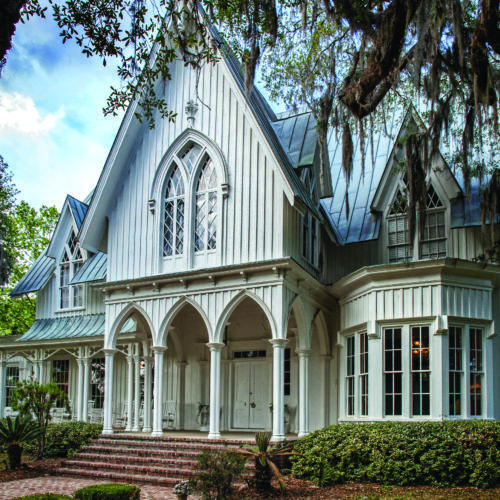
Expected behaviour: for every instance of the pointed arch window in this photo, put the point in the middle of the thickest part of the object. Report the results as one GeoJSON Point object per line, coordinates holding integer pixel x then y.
{"type": "Point", "coordinates": [205, 233]}
{"type": "Point", "coordinates": [173, 225]}
{"type": "Point", "coordinates": [433, 239]}
{"type": "Point", "coordinates": [71, 261]}
{"type": "Point", "coordinates": [400, 248]}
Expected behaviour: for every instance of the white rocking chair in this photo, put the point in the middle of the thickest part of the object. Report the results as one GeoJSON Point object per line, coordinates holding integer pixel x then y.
{"type": "Point", "coordinates": [169, 413]}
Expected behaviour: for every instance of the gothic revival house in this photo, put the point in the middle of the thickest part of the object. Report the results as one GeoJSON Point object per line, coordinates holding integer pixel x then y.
{"type": "Point", "coordinates": [216, 272]}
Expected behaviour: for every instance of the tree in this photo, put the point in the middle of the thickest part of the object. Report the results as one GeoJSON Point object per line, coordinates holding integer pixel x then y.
{"type": "Point", "coordinates": [26, 233]}
{"type": "Point", "coordinates": [33, 398]}
{"type": "Point", "coordinates": [348, 60]}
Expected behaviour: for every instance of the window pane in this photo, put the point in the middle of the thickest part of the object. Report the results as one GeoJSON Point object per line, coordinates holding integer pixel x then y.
{"type": "Point", "coordinates": [420, 376]}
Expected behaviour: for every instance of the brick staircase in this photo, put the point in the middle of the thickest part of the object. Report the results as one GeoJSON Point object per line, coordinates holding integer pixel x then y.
{"type": "Point", "coordinates": [138, 459]}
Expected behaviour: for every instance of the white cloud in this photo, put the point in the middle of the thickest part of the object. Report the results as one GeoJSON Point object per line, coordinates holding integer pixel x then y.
{"type": "Point", "coordinates": [19, 115]}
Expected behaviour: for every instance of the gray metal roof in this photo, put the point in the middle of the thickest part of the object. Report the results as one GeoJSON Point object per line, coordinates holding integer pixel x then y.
{"type": "Point", "coordinates": [298, 136]}
{"type": "Point", "coordinates": [91, 325]}
{"type": "Point", "coordinates": [357, 223]}
{"type": "Point", "coordinates": [94, 269]}
{"type": "Point", "coordinates": [79, 209]}
{"type": "Point", "coordinates": [36, 277]}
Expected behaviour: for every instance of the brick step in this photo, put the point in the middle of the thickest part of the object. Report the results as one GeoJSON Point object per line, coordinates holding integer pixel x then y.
{"type": "Point", "coordinates": [128, 468]}
{"type": "Point", "coordinates": [120, 477]}
{"type": "Point", "coordinates": [173, 439]}
{"type": "Point", "coordinates": [178, 461]}
{"type": "Point", "coordinates": [152, 444]}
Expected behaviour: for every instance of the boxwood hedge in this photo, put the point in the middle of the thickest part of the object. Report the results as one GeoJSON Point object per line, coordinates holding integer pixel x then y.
{"type": "Point", "coordinates": [458, 453]}
{"type": "Point", "coordinates": [64, 439]}
{"type": "Point", "coordinates": [108, 492]}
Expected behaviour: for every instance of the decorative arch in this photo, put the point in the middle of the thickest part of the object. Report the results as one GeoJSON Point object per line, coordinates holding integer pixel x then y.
{"type": "Point", "coordinates": [233, 304]}
{"type": "Point", "coordinates": [208, 147]}
{"type": "Point", "coordinates": [322, 329]}
{"type": "Point", "coordinates": [304, 328]}
{"type": "Point", "coordinates": [169, 318]}
{"type": "Point", "coordinates": [142, 318]}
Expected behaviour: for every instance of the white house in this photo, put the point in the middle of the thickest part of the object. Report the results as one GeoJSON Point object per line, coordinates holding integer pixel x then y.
{"type": "Point", "coordinates": [211, 266]}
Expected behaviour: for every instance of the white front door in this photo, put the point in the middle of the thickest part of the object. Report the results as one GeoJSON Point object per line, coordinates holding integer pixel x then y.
{"type": "Point", "coordinates": [251, 401]}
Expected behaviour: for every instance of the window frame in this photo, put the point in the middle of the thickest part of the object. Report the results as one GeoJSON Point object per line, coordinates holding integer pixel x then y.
{"type": "Point", "coordinates": [10, 388]}
{"type": "Point", "coordinates": [310, 229]}
{"type": "Point", "coordinates": [356, 400]}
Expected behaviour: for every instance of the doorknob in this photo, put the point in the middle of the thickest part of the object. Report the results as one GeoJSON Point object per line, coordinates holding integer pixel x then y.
{"type": "Point", "coordinates": [252, 405]}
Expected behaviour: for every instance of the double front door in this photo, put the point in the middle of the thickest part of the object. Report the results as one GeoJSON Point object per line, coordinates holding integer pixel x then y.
{"type": "Point", "coordinates": [252, 394]}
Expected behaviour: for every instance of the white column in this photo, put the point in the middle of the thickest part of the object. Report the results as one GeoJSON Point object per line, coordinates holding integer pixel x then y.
{"type": "Point", "coordinates": [325, 377]}
{"type": "Point", "coordinates": [181, 393]}
{"type": "Point", "coordinates": [148, 363]}
{"type": "Point", "coordinates": [86, 388]}
{"type": "Point", "coordinates": [78, 405]}
{"type": "Point", "coordinates": [215, 352]}
{"type": "Point", "coordinates": [108, 392]}
{"type": "Point", "coordinates": [36, 371]}
{"type": "Point", "coordinates": [303, 391]}
{"type": "Point", "coordinates": [41, 372]}
{"type": "Point", "coordinates": [137, 392]}
{"type": "Point", "coordinates": [278, 389]}
{"type": "Point", "coordinates": [3, 366]}
{"type": "Point", "coordinates": [158, 395]}
{"type": "Point", "coordinates": [130, 392]}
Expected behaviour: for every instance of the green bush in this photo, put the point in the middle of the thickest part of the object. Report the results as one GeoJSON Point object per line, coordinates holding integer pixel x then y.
{"type": "Point", "coordinates": [108, 492]}
{"type": "Point", "coordinates": [62, 440]}
{"type": "Point", "coordinates": [460, 453]}
{"type": "Point", "coordinates": [215, 472]}
{"type": "Point", "coordinates": [44, 496]}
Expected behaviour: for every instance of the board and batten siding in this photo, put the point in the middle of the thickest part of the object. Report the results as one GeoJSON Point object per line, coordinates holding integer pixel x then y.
{"type": "Point", "coordinates": [252, 219]}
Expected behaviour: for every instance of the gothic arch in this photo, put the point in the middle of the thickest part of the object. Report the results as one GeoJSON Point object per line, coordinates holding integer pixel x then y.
{"type": "Point", "coordinates": [142, 318]}
{"type": "Point", "coordinates": [304, 327]}
{"type": "Point", "coordinates": [322, 329]}
{"type": "Point", "coordinates": [231, 306]}
{"type": "Point", "coordinates": [172, 313]}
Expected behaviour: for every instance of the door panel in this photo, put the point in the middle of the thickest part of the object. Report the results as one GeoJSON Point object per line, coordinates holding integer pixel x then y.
{"type": "Point", "coordinates": [259, 383]}
{"type": "Point", "coordinates": [241, 391]}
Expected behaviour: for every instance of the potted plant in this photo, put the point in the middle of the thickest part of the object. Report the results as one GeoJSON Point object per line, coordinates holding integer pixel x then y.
{"type": "Point", "coordinates": [203, 416]}
{"type": "Point", "coordinates": [182, 490]}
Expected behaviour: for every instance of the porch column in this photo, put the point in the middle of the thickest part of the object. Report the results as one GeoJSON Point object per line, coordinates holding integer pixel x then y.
{"type": "Point", "coordinates": [278, 389]}
{"type": "Point", "coordinates": [137, 392]}
{"type": "Point", "coordinates": [86, 386]}
{"type": "Point", "coordinates": [303, 391]}
{"type": "Point", "coordinates": [148, 366]}
{"type": "Point", "coordinates": [79, 404]}
{"type": "Point", "coordinates": [108, 391]}
{"type": "Point", "coordinates": [325, 377]}
{"type": "Point", "coordinates": [130, 391]}
{"type": "Point", "coordinates": [215, 351]}
{"type": "Point", "coordinates": [36, 371]}
{"type": "Point", "coordinates": [158, 395]}
{"type": "Point", "coordinates": [41, 371]}
{"type": "Point", "coordinates": [3, 369]}
{"type": "Point", "coordinates": [181, 392]}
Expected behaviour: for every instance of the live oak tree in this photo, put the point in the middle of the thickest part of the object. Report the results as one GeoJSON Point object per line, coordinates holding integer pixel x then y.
{"type": "Point", "coordinates": [349, 60]}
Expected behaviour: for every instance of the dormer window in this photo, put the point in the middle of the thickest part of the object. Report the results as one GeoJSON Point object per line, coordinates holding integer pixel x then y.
{"type": "Point", "coordinates": [400, 249]}
{"type": "Point", "coordinates": [433, 240]}
{"type": "Point", "coordinates": [71, 296]}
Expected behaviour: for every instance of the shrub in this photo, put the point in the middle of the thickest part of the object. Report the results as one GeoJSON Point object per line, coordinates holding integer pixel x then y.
{"type": "Point", "coordinates": [108, 492]}
{"type": "Point", "coordinates": [215, 472]}
{"type": "Point", "coordinates": [62, 440]}
{"type": "Point", "coordinates": [44, 496]}
{"type": "Point", "coordinates": [15, 432]}
{"type": "Point", "coordinates": [461, 453]}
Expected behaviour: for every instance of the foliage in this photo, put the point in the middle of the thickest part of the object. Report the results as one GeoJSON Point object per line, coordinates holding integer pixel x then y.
{"type": "Point", "coordinates": [108, 492]}
{"type": "Point", "coordinates": [453, 453]}
{"type": "Point", "coordinates": [14, 433]}
{"type": "Point", "coordinates": [26, 233]}
{"type": "Point", "coordinates": [215, 472]}
{"type": "Point", "coordinates": [44, 496]}
{"type": "Point", "coordinates": [33, 398]}
{"type": "Point", "coordinates": [66, 438]}
{"type": "Point", "coordinates": [182, 488]}
{"type": "Point", "coordinates": [265, 455]}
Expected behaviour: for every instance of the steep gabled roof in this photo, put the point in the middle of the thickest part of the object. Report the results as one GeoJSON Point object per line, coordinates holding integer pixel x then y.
{"type": "Point", "coordinates": [78, 209]}
{"type": "Point", "coordinates": [36, 277]}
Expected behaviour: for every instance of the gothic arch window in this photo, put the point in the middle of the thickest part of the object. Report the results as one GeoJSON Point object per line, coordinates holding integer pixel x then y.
{"type": "Point", "coordinates": [433, 238]}
{"type": "Point", "coordinates": [205, 232]}
{"type": "Point", "coordinates": [71, 260]}
{"type": "Point", "coordinates": [173, 222]}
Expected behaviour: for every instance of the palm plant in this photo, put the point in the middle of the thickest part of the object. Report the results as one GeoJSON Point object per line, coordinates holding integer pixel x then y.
{"type": "Point", "coordinates": [14, 433]}
{"type": "Point", "coordinates": [265, 454]}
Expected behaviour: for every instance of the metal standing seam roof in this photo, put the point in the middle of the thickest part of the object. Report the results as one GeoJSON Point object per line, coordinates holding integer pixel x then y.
{"type": "Point", "coordinates": [36, 277]}
{"type": "Point", "coordinates": [90, 325]}
{"type": "Point", "coordinates": [94, 269]}
{"type": "Point", "coordinates": [79, 209]}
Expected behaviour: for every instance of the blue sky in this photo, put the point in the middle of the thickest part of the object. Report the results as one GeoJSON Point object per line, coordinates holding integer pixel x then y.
{"type": "Point", "coordinates": [52, 130]}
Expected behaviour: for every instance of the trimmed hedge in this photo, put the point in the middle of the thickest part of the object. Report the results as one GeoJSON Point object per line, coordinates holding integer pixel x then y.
{"type": "Point", "coordinates": [108, 492]}
{"type": "Point", "coordinates": [44, 496]}
{"type": "Point", "coordinates": [64, 439]}
{"type": "Point", "coordinates": [458, 453]}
